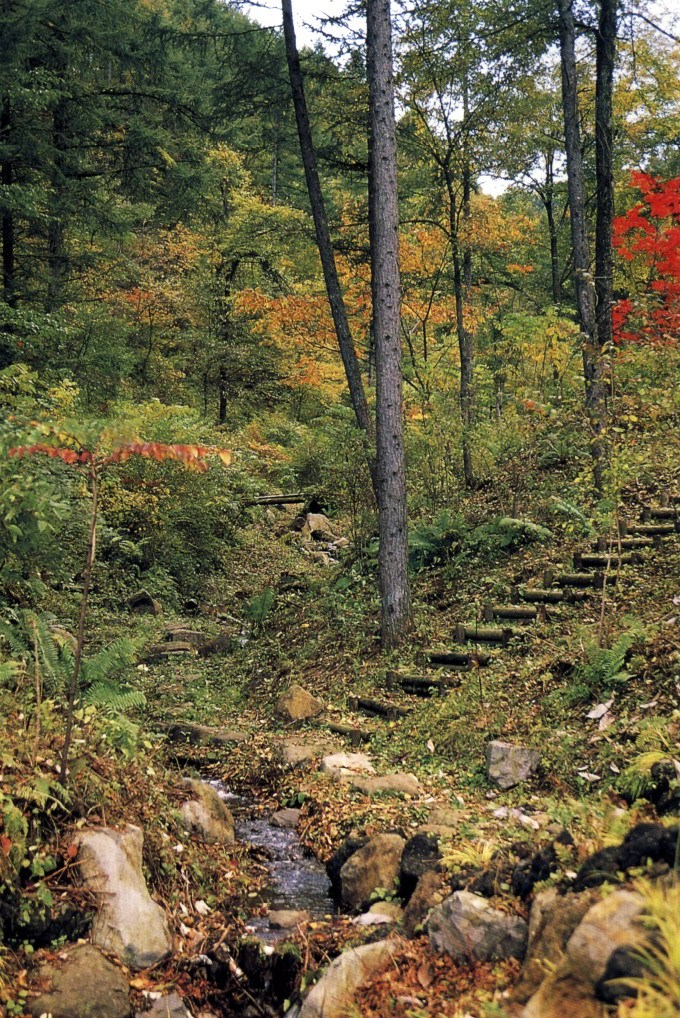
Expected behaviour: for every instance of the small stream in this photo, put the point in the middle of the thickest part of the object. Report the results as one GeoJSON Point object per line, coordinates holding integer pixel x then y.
{"type": "Point", "coordinates": [297, 880]}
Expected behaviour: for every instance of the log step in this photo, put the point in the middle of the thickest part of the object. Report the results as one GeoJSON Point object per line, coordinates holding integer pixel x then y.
{"type": "Point", "coordinates": [627, 543]}
{"type": "Point", "coordinates": [171, 648]}
{"type": "Point", "coordinates": [509, 611]}
{"type": "Point", "coordinates": [581, 560]}
{"type": "Point", "coordinates": [421, 685]}
{"type": "Point", "coordinates": [648, 529]}
{"type": "Point", "coordinates": [538, 596]}
{"type": "Point", "coordinates": [355, 735]}
{"type": "Point", "coordinates": [595, 580]}
{"type": "Point", "coordinates": [659, 513]}
{"type": "Point", "coordinates": [375, 708]}
{"type": "Point", "coordinates": [459, 659]}
{"type": "Point", "coordinates": [467, 634]}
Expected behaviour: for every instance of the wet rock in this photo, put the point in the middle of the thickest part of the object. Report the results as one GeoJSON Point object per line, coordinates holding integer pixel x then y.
{"type": "Point", "coordinates": [142, 603]}
{"type": "Point", "coordinates": [333, 994]}
{"type": "Point", "coordinates": [645, 842]}
{"type": "Point", "coordinates": [382, 913]}
{"type": "Point", "coordinates": [428, 893]}
{"type": "Point", "coordinates": [334, 865]}
{"type": "Point", "coordinates": [530, 872]}
{"type": "Point", "coordinates": [86, 985]}
{"type": "Point", "coordinates": [171, 1006]}
{"type": "Point", "coordinates": [287, 918]}
{"type": "Point", "coordinates": [607, 926]}
{"type": "Point", "coordinates": [469, 929]}
{"type": "Point", "coordinates": [508, 765]}
{"type": "Point", "coordinates": [205, 815]}
{"type": "Point", "coordinates": [128, 923]}
{"type": "Point", "coordinates": [296, 704]}
{"type": "Point", "coordinates": [421, 853]}
{"type": "Point", "coordinates": [552, 921]}
{"type": "Point", "coordinates": [286, 818]}
{"type": "Point", "coordinates": [398, 784]}
{"type": "Point", "coordinates": [341, 765]}
{"type": "Point", "coordinates": [373, 866]}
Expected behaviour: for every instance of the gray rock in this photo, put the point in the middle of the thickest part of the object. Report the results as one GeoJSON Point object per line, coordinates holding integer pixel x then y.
{"type": "Point", "coordinates": [287, 918]}
{"type": "Point", "coordinates": [318, 527]}
{"type": "Point", "coordinates": [609, 925]}
{"type": "Point", "coordinates": [293, 753]}
{"type": "Point", "coordinates": [296, 704]}
{"type": "Point", "coordinates": [341, 765]}
{"type": "Point", "coordinates": [507, 765]}
{"type": "Point", "coordinates": [205, 815]}
{"type": "Point", "coordinates": [333, 994]}
{"type": "Point", "coordinates": [396, 784]}
{"type": "Point", "coordinates": [468, 928]}
{"type": "Point", "coordinates": [202, 735]}
{"type": "Point", "coordinates": [381, 913]}
{"type": "Point", "coordinates": [171, 1006]}
{"type": "Point", "coordinates": [142, 603]}
{"type": "Point", "coordinates": [373, 866]}
{"type": "Point", "coordinates": [128, 923]}
{"type": "Point", "coordinates": [441, 816]}
{"type": "Point", "coordinates": [87, 985]}
{"type": "Point", "coordinates": [286, 818]}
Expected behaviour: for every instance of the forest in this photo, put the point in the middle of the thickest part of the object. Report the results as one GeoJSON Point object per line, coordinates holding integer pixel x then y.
{"type": "Point", "coordinates": [340, 509]}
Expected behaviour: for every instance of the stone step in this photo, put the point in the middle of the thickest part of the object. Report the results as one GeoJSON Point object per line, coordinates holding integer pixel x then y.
{"type": "Point", "coordinates": [537, 595]}
{"type": "Point", "coordinates": [375, 708]}
{"type": "Point", "coordinates": [422, 685]}
{"type": "Point", "coordinates": [581, 560]}
{"type": "Point", "coordinates": [473, 634]}
{"type": "Point", "coordinates": [459, 659]}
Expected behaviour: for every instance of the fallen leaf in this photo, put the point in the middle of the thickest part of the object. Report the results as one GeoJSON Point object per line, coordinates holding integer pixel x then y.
{"type": "Point", "coordinates": [425, 976]}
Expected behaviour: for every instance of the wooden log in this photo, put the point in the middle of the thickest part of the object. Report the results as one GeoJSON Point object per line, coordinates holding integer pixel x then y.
{"type": "Point", "coordinates": [581, 560]}
{"type": "Point", "coordinates": [509, 611]}
{"type": "Point", "coordinates": [422, 685]}
{"type": "Point", "coordinates": [627, 543]}
{"type": "Point", "coordinates": [375, 708]}
{"type": "Point", "coordinates": [551, 578]}
{"type": "Point", "coordinates": [536, 595]}
{"type": "Point", "coordinates": [466, 634]}
{"type": "Point", "coordinates": [459, 659]}
{"type": "Point", "coordinates": [293, 499]}
{"type": "Point", "coordinates": [171, 648]}
{"type": "Point", "coordinates": [180, 633]}
{"type": "Point", "coordinates": [355, 735]}
{"type": "Point", "coordinates": [649, 529]}
{"type": "Point", "coordinates": [659, 513]}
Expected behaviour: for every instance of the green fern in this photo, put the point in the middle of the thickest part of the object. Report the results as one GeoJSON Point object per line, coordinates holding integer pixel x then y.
{"type": "Point", "coordinates": [260, 606]}
{"type": "Point", "coordinates": [114, 697]}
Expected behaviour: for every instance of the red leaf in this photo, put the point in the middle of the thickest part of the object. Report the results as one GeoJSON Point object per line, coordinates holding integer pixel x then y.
{"type": "Point", "coordinates": [5, 845]}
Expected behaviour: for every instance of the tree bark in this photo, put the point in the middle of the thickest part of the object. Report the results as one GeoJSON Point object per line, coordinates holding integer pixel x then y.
{"type": "Point", "coordinates": [585, 290]}
{"type": "Point", "coordinates": [604, 262]}
{"type": "Point", "coordinates": [323, 238]}
{"type": "Point", "coordinates": [549, 204]}
{"type": "Point", "coordinates": [7, 218]}
{"type": "Point", "coordinates": [383, 217]}
{"type": "Point", "coordinates": [465, 340]}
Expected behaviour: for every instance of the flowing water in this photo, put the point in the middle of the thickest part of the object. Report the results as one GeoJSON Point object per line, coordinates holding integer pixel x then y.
{"type": "Point", "coordinates": [296, 880]}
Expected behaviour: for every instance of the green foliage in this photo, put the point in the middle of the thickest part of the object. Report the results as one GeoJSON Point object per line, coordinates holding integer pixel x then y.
{"type": "Point", "coordinates": [259, 607]}
{"type": "Point", "coordinates": [603, 668]}
{"type": "Point", "coordinates": [506, 534]}
{"type": "Point", "coordinates": [431, 542]}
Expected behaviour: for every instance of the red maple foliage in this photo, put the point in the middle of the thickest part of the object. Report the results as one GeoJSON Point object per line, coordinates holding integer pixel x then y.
{"type": "Point", "coordinates": [648, 237]}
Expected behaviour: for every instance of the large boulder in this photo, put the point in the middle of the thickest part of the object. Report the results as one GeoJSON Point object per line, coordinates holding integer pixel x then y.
{"type": "Point", "coordinates": [352, 843]}
{"type": "Point", "coordinates": [142, 603]}
{"type": "Point", "coordinates": [429, 892]}
{"type": "Point", "coordinates": [346, 765]}
{"type": "Point", "coordinates": [318, 527]}
{"type": "Point", "coordinates": [373, 866]}
{"type": "Point", "coordinates": [642, 843]}
{"type": "Point", "coordinates": [128, 923]}
{"type": "Point", "coordinates": [608, 926]}
{"type": "Point", "coordinates": [564, 996]}
{"type": "Point", "coordinates": [333, 994]}
{"type": "Point", "coordinates": [84, 984]}
{"type": "Point", "coordinates": [205, 814]}
{"type": "Point", "coordinates": [468, 928]}
{"type": "Point", "coordinates": [296, 704]}
{"type": "Point", "coordinates": [507, 764]}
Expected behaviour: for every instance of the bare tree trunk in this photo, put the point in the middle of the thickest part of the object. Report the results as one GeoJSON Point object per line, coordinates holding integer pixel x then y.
{"type": "Point", "coordinates": [465, 341]}
{"type": "Point", "coordinates": [383, 217]}
{"type": "Point", "coordinates": [7, 218]}
{"type": "Point", "coordinates": [323, 237]}
{"type": "Point", "coordinates": [549, 203]}
{"type": "Point", "coordinates": [604, 267]}
{"type": "Point", "coordinates": [585, 290]}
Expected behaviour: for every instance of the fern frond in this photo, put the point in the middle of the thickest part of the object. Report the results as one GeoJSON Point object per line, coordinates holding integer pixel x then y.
{"type": "Point", "coordinates": [115, 658]}
{"type": "Point", "coordinates": [109, 695]}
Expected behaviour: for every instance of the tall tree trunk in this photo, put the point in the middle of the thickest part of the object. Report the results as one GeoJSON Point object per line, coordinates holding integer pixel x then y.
{"type": "Point", "coordinates": [383, 218]}
{"type": "Point", "coordinates": [56, 254]}
{"type": "Point", "coordinates": [604, 267]}
{"type": "Point", "coordinates": [7, 218]}
{"type": "Point", "coordinates": [549, 204]}
{"type": "Point", "coordinates": [585, 290]}
{"type": "Point", "coordinates": [323, 237]}
{"type": "Point", "coordinates": [465, 342]}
